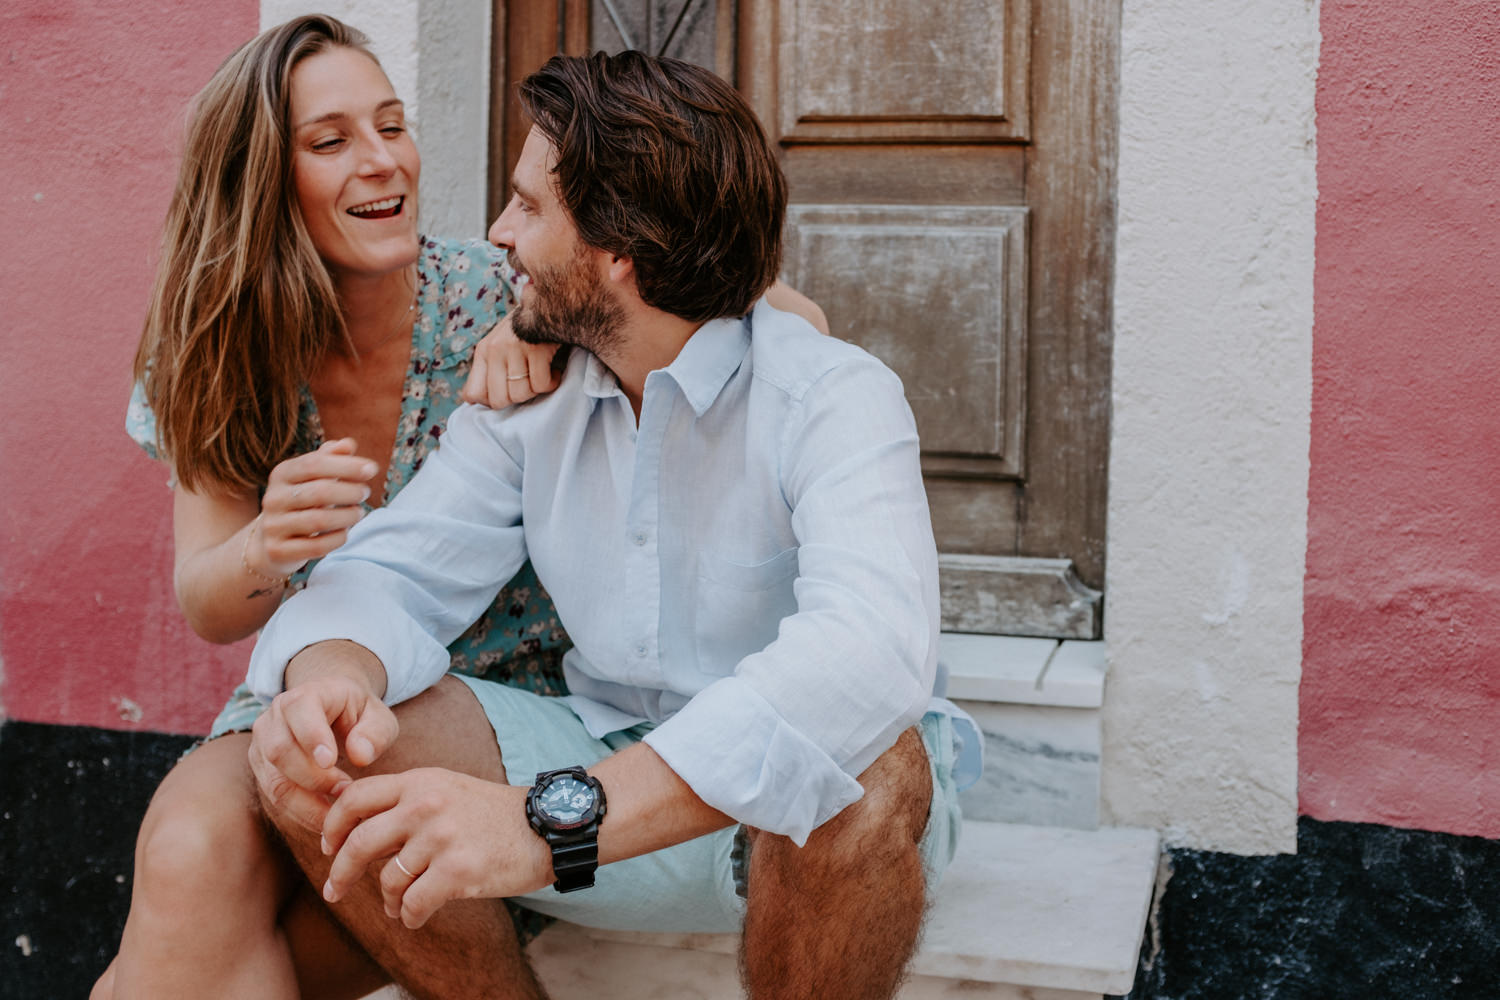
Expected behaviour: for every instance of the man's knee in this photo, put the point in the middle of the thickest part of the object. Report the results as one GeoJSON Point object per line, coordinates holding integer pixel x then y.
{"type": "Point", "coordinates": [898, 793]}
{"type": "Point", "coordinates": [888, 820]}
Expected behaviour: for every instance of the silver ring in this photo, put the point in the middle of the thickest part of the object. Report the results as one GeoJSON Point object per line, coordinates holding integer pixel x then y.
{"type": "Point", "coordinates": [515, 378]}
{"type": "Point", "coordinates": [397, 859]}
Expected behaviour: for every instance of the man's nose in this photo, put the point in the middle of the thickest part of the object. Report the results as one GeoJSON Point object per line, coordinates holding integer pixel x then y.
{"type": "Point", "coordinates": [502, 231]}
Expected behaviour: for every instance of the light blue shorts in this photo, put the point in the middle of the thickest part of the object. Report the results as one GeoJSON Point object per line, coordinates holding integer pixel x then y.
{"type": "Point", "coordinates": [694, 886]}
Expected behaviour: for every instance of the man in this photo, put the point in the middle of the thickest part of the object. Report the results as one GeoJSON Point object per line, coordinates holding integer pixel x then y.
{"type": "Point", "coordinates": [727, 509]}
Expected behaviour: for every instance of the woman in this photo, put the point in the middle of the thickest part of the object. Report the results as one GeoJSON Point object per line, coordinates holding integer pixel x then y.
{"type": "Point", "coordinates": [303, 347]}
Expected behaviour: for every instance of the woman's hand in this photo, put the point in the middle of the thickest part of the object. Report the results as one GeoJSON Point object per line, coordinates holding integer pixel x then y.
{"type": "Point", "coordinates": [507, 371]}
{"type": "Point", "coordinates": [311, 502]}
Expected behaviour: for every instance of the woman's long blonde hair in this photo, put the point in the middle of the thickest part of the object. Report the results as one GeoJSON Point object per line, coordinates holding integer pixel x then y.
{"type": "Point", "coordinates": [243, 308]}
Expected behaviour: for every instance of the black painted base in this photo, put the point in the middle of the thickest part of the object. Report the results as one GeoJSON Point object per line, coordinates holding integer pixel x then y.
{"type": "Point", "coordinates": [71, 799]}
{"type": "Point", "coordinates": [1360, 912]}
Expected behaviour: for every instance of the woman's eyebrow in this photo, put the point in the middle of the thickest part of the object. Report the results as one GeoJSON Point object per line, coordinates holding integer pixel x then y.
{"type": "Point", "coordinates": [336, 115]}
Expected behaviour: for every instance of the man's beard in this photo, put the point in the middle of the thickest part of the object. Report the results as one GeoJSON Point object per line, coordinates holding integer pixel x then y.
{"type": "Point", "coordinates": [567, 306]}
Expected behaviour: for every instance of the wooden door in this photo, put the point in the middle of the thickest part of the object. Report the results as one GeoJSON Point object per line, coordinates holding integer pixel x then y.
{"type": "Point", "coordinates": [952, 181]}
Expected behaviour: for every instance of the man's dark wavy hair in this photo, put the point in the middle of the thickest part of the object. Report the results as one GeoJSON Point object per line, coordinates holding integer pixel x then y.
{"type": "Point", "coordinates": [663, 162]}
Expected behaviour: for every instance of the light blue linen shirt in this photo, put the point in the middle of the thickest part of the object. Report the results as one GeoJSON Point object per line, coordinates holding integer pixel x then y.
{"type": "Point", "coordinates": [752, 567]}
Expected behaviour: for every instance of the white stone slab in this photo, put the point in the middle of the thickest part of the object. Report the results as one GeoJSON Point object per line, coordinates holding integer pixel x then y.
{"type": "Point", "coordinates": [995, 667]}
{"type": "Point", "coordinates": [1043, 906]}
{"type": "Point", "coordinates": [1025, 906]}
{"type": "Point", "coordinates": [1075, 675]}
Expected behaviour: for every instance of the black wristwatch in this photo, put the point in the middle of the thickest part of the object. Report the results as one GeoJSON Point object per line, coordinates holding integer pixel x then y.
{"type": "Point", "coordinates": [565, 808]}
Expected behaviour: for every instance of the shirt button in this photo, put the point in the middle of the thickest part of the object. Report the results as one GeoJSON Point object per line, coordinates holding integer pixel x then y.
{"type": "Point", "coordinates": [639, 538]}
{"type": "Point", "coordinates": [640, 649]}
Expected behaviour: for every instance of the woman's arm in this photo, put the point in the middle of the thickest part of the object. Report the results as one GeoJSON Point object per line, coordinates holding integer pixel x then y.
{"type": "Point", "coordinates": [234, 556]}
{"type": "Point", "coordinates": [788, 299]}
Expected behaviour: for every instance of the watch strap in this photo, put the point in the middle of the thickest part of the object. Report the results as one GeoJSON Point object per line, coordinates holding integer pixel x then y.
{"type": "Point", "coordinates": [574, 864]}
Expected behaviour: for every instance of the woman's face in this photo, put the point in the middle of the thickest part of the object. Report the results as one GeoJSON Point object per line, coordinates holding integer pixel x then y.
{"type": "Point", "coordinates": [354, 166]}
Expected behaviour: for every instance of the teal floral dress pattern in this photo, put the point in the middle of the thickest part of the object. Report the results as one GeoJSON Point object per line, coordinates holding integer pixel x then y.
{"type": "Point", "coordinates": [462, 291]}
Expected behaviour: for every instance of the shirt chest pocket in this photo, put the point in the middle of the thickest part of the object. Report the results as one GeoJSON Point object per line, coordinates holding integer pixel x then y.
{"type": "Point", "coordinates": [738, 607]}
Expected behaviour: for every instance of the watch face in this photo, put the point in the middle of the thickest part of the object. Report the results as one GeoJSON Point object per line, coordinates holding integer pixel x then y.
{"type": "Point", "coordinates": [565, 800]}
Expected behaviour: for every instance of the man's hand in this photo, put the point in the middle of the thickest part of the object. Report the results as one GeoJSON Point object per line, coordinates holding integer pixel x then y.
{"type": "Point", "coordinates": [507, 371]}
{"type": "Point", "coordinates": [294, 750]}
{"type": "Point", "coordinates": [456, 836]}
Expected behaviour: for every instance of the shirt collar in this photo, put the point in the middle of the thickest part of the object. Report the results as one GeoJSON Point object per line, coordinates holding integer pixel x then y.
{"type": "Point", "coordinates": [711, 355]}
{"type": "Point", "coordinates": [598, 381]}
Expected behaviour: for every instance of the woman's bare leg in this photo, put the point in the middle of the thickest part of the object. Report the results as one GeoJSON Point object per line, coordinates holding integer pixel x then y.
{"type": "Point", "coordinates": [210, 895]}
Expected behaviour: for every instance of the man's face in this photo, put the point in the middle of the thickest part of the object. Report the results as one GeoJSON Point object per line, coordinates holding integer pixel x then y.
{"type": "Point", "coordinates": [563, 296]}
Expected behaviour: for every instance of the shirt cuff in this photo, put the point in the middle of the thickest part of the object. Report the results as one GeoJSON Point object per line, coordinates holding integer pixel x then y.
{"type": "Point", "coordinates": [738, 754]}
{"type": "Point", "coordinates": [317, 615]}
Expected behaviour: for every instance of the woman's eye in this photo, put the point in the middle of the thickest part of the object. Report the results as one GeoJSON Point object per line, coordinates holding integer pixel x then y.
{"type": "Point", "coordinates": [326, 145]}
{"type": "Point", "coordinates": [393, 129]}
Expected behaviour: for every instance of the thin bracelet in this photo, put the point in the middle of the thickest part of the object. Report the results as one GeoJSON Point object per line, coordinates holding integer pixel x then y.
{"type": "Point", "coordinates": [282, 581]}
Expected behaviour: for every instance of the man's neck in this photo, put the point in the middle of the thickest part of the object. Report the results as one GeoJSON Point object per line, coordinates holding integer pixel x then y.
{"type": "Point", "coordinates": [650, 339]}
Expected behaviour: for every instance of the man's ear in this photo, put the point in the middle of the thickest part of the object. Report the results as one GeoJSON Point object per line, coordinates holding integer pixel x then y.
{"type": "Point", "coordinates": [622, 270]}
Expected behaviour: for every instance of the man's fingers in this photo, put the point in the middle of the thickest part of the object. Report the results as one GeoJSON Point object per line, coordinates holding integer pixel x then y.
{"type": "Point", "coordinates": [400, 873]}
{"type": "Point", "coordinates": [363, 799]}
{"type": "Point", "coordinates": [423, 898]}
{"type": "Point", "coordinates": [363, 825]}
{"type": "Point", "coordinates": [371, 735]}
{"type": "Point", "coordinates": [286, 797]}
{"type": "Point", "coordinates": [307, 720]}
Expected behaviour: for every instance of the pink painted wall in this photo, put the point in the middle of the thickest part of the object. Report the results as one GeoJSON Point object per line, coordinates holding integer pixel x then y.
{"type": "Point", "coordinates": [92, 94]}
{"type": "Point", "coordinates": [1401, 672]}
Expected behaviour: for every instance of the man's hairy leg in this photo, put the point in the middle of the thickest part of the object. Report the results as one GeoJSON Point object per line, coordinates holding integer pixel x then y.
{"type": "Point", "coordinates": [469, 949]}
{"type": "Point", "coordinates": [839, 918]}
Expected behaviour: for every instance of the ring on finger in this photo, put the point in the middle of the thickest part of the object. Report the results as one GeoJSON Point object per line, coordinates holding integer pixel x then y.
{"type": "Point", "coordinates": [406, 870]}
{"type": "Point", "coordinates": [515, 378]}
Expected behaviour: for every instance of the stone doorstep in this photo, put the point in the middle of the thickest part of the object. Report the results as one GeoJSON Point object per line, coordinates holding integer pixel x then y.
{"type": "Point", "coordinates": [1021, 671]}
{"type": "Point", "coordinates": [1027, 906]}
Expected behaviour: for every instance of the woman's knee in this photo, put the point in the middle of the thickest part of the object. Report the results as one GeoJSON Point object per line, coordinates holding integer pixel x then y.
{"type": "Point", "coordinates": [202, 834]}
{"type": "Point", "coordinates": [104, 989]}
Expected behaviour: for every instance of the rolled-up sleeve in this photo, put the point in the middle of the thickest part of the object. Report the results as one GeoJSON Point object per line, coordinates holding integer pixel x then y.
{"type": "Point", "coordinates": [779, 744]}
{"type": "Point", "coordinates": [416, 573]}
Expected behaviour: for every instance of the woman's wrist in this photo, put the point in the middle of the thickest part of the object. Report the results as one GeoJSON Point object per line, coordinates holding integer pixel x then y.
{"type": "Point", "coordinates": [280, 581]}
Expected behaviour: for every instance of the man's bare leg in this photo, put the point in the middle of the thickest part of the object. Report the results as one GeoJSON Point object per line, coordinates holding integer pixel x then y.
{"type": "Point", "coordinates": [839, 918]}
{"type": "Point", "coordinates": [209, 897]}
{"type": "Point", "coordinates": [469, 949]}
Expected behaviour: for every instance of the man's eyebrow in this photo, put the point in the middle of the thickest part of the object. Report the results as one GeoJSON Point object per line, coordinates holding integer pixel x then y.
{"type": "Point", "coordinates": [337, 115]}
{"type": "Point", "coordinates": [521, 190]}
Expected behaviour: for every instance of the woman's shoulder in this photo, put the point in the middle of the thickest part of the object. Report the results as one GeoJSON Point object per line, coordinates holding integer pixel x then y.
{"type": "Point", "coordinates": [476, 263]}
{"type": "Point", "coordinates": [465, 291]}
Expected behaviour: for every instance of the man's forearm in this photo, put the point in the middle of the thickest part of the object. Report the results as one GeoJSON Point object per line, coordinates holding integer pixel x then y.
{"type": "Point", "coordinates": [336, 657]}
{"type": "Point", "coordinates": [650, 807]}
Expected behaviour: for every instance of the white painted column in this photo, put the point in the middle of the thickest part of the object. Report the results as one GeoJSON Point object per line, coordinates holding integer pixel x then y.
{"type": "Point", "coordinates": [1212, 388]}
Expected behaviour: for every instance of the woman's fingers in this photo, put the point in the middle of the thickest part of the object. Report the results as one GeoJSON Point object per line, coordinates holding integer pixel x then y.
{"type": "Point", "coordinates": [543, 377]}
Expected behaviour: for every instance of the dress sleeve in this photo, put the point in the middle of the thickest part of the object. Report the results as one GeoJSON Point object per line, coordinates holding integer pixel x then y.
{"type": "Point", "coordinates": [140, 422]}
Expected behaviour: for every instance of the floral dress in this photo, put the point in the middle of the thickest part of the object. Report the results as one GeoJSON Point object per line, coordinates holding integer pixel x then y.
{"type": "Point", "coordinates": [461, 292]}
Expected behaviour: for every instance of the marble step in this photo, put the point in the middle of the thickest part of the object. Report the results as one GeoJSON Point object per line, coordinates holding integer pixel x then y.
{"type": "Point", "coordinates": [1037, 701]}
{"type": "Point", "coordinates": [1025, 911]}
